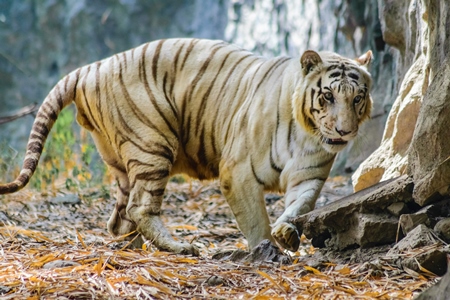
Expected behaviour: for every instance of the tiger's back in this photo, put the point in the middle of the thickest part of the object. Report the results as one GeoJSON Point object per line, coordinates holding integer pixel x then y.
{"type": "Point", "coordinates": [193, 110]}
{"type": "Point", "coordinates": [211, 109]}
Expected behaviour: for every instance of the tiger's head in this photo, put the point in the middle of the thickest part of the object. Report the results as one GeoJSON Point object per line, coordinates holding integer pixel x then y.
{"type": "Point", "coordinates": [333, 99]}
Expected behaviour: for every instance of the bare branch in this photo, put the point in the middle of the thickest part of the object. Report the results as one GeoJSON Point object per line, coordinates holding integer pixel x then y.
{"type": "Point", "coordinates": [29, 109]}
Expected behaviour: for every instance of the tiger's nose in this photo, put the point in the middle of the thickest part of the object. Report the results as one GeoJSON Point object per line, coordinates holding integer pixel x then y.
{"type": "Point", "coordinates": [342, 132]}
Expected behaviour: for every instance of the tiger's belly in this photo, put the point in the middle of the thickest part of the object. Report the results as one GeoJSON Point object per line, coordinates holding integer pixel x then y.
{"type": "Point", "coordinates": [191, 166]}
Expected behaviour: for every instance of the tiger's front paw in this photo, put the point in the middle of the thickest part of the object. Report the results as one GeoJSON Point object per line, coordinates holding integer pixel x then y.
{"type": "Point", "coordinates": [286, 235]}
{"type": "Point", "coordinates": [187, 249]}
{"type": "Point", "coordinates": [178, 247]}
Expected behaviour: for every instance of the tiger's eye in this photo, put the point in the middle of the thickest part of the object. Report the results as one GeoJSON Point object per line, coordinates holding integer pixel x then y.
{"type": "Point", "coordinates": [357, 99]}
{"type": "Point", "coordinates": [329, 96]}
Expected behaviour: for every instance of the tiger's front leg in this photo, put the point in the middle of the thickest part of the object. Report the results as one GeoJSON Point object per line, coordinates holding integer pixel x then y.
{"type": "Point", "coordinates": [299, 200]}
{"type": "Point", "coordinates": [246, 199]}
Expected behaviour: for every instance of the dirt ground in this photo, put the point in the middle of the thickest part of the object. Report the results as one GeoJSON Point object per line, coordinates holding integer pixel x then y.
{"type": "Point", "coordinates": [57, 247]}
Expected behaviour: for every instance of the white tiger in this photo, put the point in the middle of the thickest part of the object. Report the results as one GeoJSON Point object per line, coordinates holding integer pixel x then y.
{"type": "Point", "coordinates": [210, 109]}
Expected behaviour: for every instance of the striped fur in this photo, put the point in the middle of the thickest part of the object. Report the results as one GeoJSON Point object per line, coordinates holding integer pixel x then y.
{"type": "Point", "coordinates": [210, 109]}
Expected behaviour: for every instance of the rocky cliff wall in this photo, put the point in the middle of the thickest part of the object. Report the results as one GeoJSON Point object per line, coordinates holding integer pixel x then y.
{"type": "Point", "coordinates": [415, 139]}
{"type": "Point", "coordinates": [43, 40]}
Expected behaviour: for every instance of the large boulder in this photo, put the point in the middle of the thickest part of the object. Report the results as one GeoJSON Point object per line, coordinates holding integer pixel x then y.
{"type": "Point", "coordinates": [415, 139]}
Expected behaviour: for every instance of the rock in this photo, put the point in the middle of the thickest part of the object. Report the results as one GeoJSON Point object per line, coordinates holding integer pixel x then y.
{"type": "Point", "coordinates": [382, 164]}
{"type": "Point", "coordinates": [443, 229]}
{"type": "Point", "coordinates": [404, 29]}
{"type": "Point", "coordinates": [428, 215]}
{"type": "Point", "coordinates": [433, 260]}
{"type": "Point", "coordinates": [60, 264]}
{"type": "Point", "coordinates": [367, 230]}
{"type": "Point", "coordinates": [429, 155]}
{"type": "Point", "coordinates": [418, 237]}
{"type": "Point", "coordinates": [215, 280]}
{"type": "Point", "coordinates": [358, 220]}
{"type": "Point", "coordinates": [409, 221]}
{"type": "Point", "coordinates": [415, 140]}
{"type": "Point", "coordinates": [272, 198]}
{"type": "Point", "coordinates": [69, 199]}
{"type": "Point", "coordinates": [264, 252]}
{"type": "Point", "coordinates": [5, 289]}
{"type": "Point", "coordinates": [439, 291]}
{"type": "Point", "coordinates": [398, 208]}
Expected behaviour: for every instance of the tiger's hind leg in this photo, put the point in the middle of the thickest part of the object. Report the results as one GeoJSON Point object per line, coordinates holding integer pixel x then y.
{"type": "Point", "coordinates": [119, 223]}
{"type": "Point", "coordinates": [148, 177]}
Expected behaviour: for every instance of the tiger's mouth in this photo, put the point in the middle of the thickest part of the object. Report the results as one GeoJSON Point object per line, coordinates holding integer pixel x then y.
{"type": "Point", "coordinates": [335, 141]}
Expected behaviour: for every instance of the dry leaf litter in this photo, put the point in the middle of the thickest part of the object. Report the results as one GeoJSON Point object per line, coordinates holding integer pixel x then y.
{"type": "Point", "coordinates": [58, 248]}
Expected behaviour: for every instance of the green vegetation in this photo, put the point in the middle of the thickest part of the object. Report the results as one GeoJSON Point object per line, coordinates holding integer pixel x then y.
{"type": "Point", "coordinates": [69, 161]}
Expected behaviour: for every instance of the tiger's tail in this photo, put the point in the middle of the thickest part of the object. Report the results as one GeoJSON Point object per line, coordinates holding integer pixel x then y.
{"type": "Point", "coordinates": [59, 97]}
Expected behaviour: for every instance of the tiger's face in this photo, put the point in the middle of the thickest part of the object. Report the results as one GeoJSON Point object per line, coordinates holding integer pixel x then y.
{"type": "Point", "coordinates": [333, 99]}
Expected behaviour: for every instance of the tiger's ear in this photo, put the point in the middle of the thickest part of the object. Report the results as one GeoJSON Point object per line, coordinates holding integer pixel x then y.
{"type": "Point", "coordinates": [310, 60]}
{"type": "Point", "coordinates": [365, 59]}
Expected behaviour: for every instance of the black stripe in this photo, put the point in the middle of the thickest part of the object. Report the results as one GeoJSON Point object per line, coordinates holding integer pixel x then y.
{"type": "Point", "coordinates": [33, 135]}
{"type": "Point", "coordinates": [59, 99]}
{"type": "Point", "coordinates": [202, 105]}
{"type": "Point", "coordinates": [310, 179]}
{"type": "Point", "coordinates": [41, 128]}
{"type": "Point", "coordinates": [139, 163]}
{"type": "Point", "coordinates": [164, 150]}
{"type": "Point", "coordinates": [23, 178]}
{"type": "Point", "coordinates": [175, 70]}
{"type": "Point", "coordinates": [188, 95]}
{"type": "Point", "coordinates": [77, 75]}
{"type": "Point", "coordinates": [30, 163]}
{"type": "Point", "coordinates": [35, 147]}
{"type": "Point", "coordinates": [188, 52]}
{"type": "Point", "coordinates": [124, 59]}
{"type": "Point", "coordinates": [98, 93]}
{"type": "Point", "coordinates": [270, 70]}
{"type": "Point", "coordinates": [156, 193]}
{"type": "Point", "coordinates": [169, 100]}
{"type": "Point", "coordinates": [124, 192]}
{"type": "Point", "coordinates": [153, 175]}
{"type": "Point", "coordinates": [260, 181]}
{"type": "Point", "coordinates": [233, 97]}
{"type": "Point", "coordinates": [332, 67]}
{"type": "Point", "coordinates": [46, 111]}
{"type": "Point", "coordinates": [312, 109]}
{"type": "Point", "coordinates": [353, 76]}
{"type": "Point", "coordinates": [289, 135]}
{"type": "Point", "coordinates": [151, 95]}
{"type": "Point", "coordinates": [334, 74]}
{"type": "Point", "coordinates": [90, 117]}
{"type": "Point", "coordinates": [362, 108]}
{"type": "Point", "coordinates": [155, 60]}
{"type": "Point", "coordinates": [139, 114]}
{"type": "Point", "coordinates": [201, 153]}
{"type": "Point", "coordinates": [321, 164]}
{"type": "Point", "coordinates": [272, 161]}
{"type": "Point", "coordinates": [313, 91]}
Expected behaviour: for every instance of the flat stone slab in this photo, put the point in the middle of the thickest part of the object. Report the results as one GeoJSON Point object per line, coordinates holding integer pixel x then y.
{"type": "Point", "coordinates": [327, 226]}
